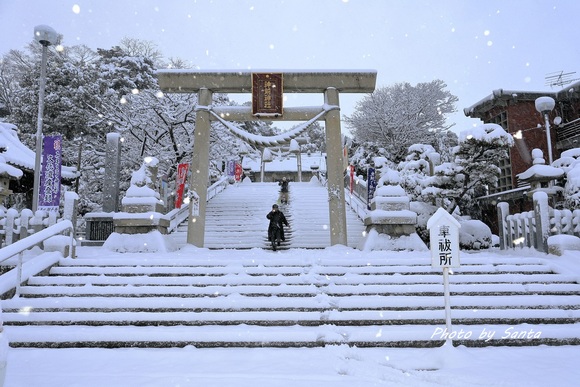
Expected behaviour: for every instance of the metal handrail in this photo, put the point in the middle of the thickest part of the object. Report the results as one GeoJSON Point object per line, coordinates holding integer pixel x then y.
{"type": "Point", "coordinates": [22, 245]}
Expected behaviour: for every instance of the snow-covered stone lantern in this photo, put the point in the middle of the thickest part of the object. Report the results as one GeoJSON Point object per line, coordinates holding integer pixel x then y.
{"type": "Point", "coordinates": [390, 224]}
{"type": "Point", "coordinates": [142, 195]}
{"type": "Point", "coordinates": [540, 176]}
{"type": "Point", "coordinates": [315, 168]}
{"type": "Point", "coordinates": [266, 158]}
{"type": "Point", "coordinates": [295, 149]}
{"type": "Point", "coordinates": [142, 208]}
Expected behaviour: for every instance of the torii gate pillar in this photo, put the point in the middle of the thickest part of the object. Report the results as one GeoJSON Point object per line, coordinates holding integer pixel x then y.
{"type": "Point", "coordinates": [335, 172]}
{"type": "Point", "coordinates": [200, 170]}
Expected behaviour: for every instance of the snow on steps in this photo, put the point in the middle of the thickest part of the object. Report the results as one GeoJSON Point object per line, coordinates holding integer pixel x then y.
{"type": "Point", "coordinates": [282, 302]}
{"type": "Point", "coordinates": [236, 218]}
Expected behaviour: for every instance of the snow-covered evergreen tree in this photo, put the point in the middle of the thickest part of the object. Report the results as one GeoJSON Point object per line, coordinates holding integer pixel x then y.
{"type": "Point", "coordinates": [90, 94]}
{"type": "Point", "coordinates": [569, 161]}
{"type": "Point", "coordinates": [416, 168]}
{"type": "Point", "coordinates": [474, 169]}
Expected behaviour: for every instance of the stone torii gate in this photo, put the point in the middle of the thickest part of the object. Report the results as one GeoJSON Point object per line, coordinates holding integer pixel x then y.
{"type": "Point", "coordinates": [328, 83]}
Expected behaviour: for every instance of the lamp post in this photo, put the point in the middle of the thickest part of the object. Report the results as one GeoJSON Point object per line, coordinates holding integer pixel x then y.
{"type": "Point", "coordinates": [545, 105]}
{"type": "Point", "coordinates": [46, 36]}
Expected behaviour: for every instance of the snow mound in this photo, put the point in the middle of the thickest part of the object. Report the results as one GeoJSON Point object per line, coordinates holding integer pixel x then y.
{"type": "Point", "coordinates": [152, 242]}
{"type": "Point", "coordinates": [557, 244]}
{"type": "Point", "coordinates": [375, 241]}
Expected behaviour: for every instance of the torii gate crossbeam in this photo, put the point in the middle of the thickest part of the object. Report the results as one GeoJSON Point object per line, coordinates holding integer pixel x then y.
{"type": "Point", "coordinates": [330, 83]}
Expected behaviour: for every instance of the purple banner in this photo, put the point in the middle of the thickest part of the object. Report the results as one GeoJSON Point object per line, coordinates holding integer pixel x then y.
{"type": "Point", "coordinates": [371, 186]}
{"type": "Point", "coordinates": [231, 167]}
{"type": "Point", "coordinates": [49, 192]}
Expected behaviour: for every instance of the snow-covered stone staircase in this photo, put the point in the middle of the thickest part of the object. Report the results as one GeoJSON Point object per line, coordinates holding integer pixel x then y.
{"type": "Point", "coordinates": [236, 218]}
{"type": "Point", "coordinates": [292, 300]}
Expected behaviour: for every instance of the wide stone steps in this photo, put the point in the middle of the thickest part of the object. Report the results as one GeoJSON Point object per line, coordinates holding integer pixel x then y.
{"type": "Point", "coordinates": [289, 336]}
{"type": "Point", "coordinates": [234, 303]}
{"type": "Point", "coordinates": [236, 218]}
{"type": "Point", "coordinates": [298, 302]}
{"type": "Point", "coordinates": [300, 316]}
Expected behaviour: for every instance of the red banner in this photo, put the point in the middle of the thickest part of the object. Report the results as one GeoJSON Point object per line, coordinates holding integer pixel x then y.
{"type": "Point", "coordinates": [238, 171]}
{"type": "Point", "coordinates": [351, 178]}
{"type": "Point", "coordinates": [180, 184]}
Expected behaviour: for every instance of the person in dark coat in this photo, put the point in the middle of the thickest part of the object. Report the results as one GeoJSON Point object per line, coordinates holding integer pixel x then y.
{"type": "Point", "coordinates": [277, 219]}
{"type": "Point", "coordinates": [283, 190]}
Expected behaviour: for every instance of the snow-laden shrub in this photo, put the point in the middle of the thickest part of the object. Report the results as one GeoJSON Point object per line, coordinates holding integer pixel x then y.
{"type": "Point", "coordinates": [474, 235]}
{"type": "Point", "coordinates": [424, 211]}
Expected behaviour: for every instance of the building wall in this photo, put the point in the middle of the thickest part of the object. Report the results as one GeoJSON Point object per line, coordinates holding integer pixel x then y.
{"type": "Point", "coordinates": [524, 117]}
{"type": "Point", "coordinates": [521, 119]}
{"type": "Point", "coordinates": [515, 111]}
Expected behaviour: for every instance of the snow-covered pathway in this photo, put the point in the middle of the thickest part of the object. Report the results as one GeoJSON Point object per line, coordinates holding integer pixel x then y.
{"type": "Point", "coordinates": [236, 217]}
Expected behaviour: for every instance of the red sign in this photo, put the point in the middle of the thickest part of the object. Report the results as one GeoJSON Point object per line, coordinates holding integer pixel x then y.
{"type": "Point", "coordinates": [351, 178]}
{"type": "Point", "coordinates": [238, 172]}
{"type": "Point", "coordinates": [180, 184]}
{"type": "Point", "coordinates": [267, 94]}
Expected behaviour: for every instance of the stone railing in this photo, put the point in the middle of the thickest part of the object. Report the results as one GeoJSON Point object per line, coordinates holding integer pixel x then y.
{"type": "Point", "coordinates": [15, 225]}
{"type": "Point", "coordinates": [100, 225]}
{"type": "Point", "coordinates": [533, 228]}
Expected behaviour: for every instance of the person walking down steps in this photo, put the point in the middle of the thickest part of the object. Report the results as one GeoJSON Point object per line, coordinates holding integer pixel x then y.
{"type": "Point", "coordinates": [277, 220]}
{"type": "Point", "coordinates": [283, 190]}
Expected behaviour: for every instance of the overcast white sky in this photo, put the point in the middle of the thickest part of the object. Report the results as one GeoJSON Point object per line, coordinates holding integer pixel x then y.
{"type": "Point", "coordinates": [474, 46]}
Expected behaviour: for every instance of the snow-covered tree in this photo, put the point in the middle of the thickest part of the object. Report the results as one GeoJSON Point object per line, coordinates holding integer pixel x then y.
{"type": "Point", "coordinates": [142, 48]}
{"type": "Point", "coordinates": [401, 115]}
{"type": "Point", "coordinates": [569, 161]}
{"type": "Point", "coordinates": [316, 138]}
{"type": "Point", "coordinates": [363, 156]}
{"type": "Point", "coordinates": [474, 169]}
{"type": "Point", "coordinates": [416, 168]}
{"type": "Point", "coordinates": [89, 94]}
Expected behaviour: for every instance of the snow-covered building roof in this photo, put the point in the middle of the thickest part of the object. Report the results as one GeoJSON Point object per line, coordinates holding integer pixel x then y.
{"type": "Point", "coordinates": [286, 163]}
{"type": "Point", "coordinates": [19, 155]}
{"type": "Point", "coordinates": [8, 170]}
{"type": "Point", "coordinates": [567, 92]}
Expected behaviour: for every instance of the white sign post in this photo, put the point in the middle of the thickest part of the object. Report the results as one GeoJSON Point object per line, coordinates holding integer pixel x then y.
{"type": "Point", "coordinates": [444, 240]}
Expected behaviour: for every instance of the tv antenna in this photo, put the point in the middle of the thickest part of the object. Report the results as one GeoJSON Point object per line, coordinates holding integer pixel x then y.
{"type": "Point", "coordinates": [560, 78]}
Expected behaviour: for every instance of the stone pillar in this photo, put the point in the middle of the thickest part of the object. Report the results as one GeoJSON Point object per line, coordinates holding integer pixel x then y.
{"type": "Point", "coordinates": [542, 214]}
{"type": "Point", "coordinates": [503, 210]}
{"type": "Point", "coordinates": [334, 168]}
{"type": "Point", "coordinates": [112, 173]}
{"type": "Point", "coordinates": [200, 169]}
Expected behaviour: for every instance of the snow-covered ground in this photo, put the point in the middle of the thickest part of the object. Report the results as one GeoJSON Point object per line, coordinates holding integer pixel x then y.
{"type": "Point", "coordinates": [339, 366]}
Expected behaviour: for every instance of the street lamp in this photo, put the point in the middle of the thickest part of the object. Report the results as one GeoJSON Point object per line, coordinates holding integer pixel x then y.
{"type": "Point", "coordinates": [46, 36]}
{"type": "Point", "coordinates": [545, 105]}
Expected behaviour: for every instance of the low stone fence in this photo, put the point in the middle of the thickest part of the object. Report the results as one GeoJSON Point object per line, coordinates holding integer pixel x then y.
{"type": "Point", "coordinates": [17, 225]}
{"type": "Point", "coordinates": [533, 228]}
